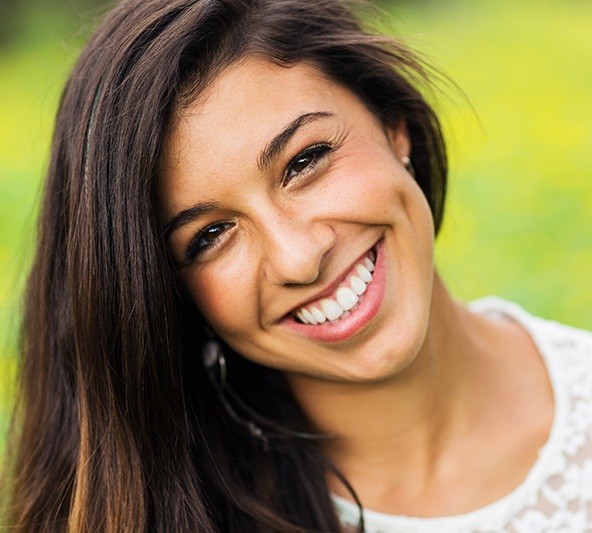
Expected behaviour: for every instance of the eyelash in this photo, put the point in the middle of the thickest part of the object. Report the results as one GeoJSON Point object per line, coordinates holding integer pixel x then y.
{"type": "Point", "coordinates": [194, 249]}
{"type": "Point", "coordinates": [316, 153]}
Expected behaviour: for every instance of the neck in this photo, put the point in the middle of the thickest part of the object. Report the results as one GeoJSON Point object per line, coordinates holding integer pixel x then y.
{"type": "Point", "coordinates": [405, 422]}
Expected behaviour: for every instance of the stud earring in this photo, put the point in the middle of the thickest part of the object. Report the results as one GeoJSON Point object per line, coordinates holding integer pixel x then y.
{"type": "Point", "coordinates": [408, 166]}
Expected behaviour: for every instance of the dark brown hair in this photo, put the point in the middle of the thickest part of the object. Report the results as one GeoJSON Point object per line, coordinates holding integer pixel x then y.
{"type": "Point", "coordinates": [117, 427]}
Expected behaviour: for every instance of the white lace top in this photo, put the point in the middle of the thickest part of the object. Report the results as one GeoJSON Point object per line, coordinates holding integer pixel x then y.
{"type": "Point", "coordinates": [556, 495]}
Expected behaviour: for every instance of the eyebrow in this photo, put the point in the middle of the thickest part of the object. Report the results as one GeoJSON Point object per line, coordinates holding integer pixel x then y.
{"type": "Point", "coordinates": [187, 215]}
{"type": "Point", "coordinates": [273, 148]}
{"type": "Point", "coordinates": [279, 142]}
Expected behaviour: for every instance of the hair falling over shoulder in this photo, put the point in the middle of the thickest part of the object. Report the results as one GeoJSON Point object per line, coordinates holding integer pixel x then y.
{"type": "Point", "coordinates": [117, 426]}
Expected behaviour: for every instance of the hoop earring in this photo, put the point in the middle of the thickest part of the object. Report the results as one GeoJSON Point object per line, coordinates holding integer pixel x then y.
{"type": "Point", "coordinates": [408, 166]}
{"type": "Point", "coordinates": [212, 356]}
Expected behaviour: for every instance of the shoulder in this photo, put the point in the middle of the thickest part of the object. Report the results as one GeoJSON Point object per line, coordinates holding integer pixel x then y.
{"type": "Point", "coordinates": [563, 471]}
{"type": "Point", "coordinates": [567, 354]}
{"type": "Point", "coordinates": [552, 338]}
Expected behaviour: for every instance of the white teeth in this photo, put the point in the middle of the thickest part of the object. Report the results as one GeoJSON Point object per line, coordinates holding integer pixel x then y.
{"type": "Point", "coordinates": [331, 309]}
{"type": "Point", "coordinates": [357, 285]}
{"type": "Point", "coordinates": [319, 316]}
{"type": "Point", "coordinates": [364, 273]}
{"type": "Point", "coordinates": [346, 298]}
{"type": "Point", "coordinates": [309, 317]}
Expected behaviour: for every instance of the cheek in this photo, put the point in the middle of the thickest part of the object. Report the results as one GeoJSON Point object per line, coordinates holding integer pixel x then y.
{"type": "Point", "coordinates": [369, 186]}
{"type": "Point", "coordinates": [225, 294]}
{"type": "Point", "coordinates": [388, 191]}
{"type": "Point", "coordinates": [417, 210]}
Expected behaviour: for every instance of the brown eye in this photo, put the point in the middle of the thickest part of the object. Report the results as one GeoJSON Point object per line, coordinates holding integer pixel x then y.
{"type": "Point", "coordinates": [205, 239]}
{"type": "Point", "coordinates": [306, 161]}
{"type": "Point", "coordinates": [300, 164]}
{"type": "Point", "coordinates": [211, 233]}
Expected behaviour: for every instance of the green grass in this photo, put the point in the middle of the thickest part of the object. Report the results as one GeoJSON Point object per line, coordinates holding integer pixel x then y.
{"type": "Point", "coordinates": [519, 216]}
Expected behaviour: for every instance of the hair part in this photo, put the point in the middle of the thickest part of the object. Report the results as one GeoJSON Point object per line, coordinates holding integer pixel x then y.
{"type": "Point", "coordinates": [117, 426]}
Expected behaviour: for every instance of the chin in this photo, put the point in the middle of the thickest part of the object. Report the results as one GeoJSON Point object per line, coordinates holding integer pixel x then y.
{"type": "Point", "coordinates": [387, 358]}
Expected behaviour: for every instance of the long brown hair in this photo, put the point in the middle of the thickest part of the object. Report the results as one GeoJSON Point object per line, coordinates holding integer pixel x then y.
{"type": "Point", "coordinates": [117, 427]}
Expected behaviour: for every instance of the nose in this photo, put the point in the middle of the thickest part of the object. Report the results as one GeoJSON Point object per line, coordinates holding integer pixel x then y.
{"type": "Point", "coordinates": [295, 248]}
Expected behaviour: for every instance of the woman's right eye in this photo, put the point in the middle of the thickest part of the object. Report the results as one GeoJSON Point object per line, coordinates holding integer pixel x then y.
{"type": "Point", "coordinates": [206, 239]}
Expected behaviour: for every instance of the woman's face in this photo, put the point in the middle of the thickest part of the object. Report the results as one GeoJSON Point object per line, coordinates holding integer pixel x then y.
{"type": "Point", "coordinates": [288, 203]}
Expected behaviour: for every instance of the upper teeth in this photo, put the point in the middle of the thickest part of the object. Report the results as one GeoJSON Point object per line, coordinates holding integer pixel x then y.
{"type": "Point", "coordinates": [344, 298]}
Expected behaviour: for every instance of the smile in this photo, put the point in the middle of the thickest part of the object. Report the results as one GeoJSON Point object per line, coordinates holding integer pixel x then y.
{"type": "Point", "coordinates": [350, 308]}
{"type": "Point", "coordinates": [345, 299]}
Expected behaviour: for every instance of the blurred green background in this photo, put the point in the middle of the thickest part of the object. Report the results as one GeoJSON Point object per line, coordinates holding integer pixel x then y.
{"type": "Point", "coordinates": [519, 215]}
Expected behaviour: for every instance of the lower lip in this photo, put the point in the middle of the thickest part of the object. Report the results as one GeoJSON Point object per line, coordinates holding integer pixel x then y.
{"type": "Point", "coordinates": [345, 328]}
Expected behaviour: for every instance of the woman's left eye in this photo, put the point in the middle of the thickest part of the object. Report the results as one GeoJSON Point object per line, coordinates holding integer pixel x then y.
{"type": "Point", "coordinates": [306, 162]}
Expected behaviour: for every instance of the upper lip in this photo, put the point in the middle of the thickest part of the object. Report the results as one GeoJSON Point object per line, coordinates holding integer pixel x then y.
{"type": "Point", "coordinates": [330, 289]}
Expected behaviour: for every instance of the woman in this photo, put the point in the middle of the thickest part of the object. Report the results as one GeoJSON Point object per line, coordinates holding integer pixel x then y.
{"type": "Point", "coordinates": [233, 322]}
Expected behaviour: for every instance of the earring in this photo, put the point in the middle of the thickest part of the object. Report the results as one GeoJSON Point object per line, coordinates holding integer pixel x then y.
{"type": "Point", "coordinates": [213, 354]}
{"type": "Point", "coordinates": [408, 166]}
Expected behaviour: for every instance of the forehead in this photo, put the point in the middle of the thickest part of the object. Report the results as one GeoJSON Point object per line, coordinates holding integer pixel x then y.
{"type": "Point", "coordinates": [256, 86]}
{"type": "Point", "coordinates": [250, 98]}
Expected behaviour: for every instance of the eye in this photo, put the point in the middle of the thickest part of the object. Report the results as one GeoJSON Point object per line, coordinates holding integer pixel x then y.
{"type": "Point", "coordinates": [206, 239]}
{"type": "Point", "coordinates": [306, 161]}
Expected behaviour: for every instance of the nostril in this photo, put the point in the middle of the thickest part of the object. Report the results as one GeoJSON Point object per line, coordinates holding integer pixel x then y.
{"type": "Point", "coordinates": [303, 282]}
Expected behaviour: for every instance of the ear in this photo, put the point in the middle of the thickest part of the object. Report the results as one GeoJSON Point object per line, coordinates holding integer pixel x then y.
{"type": "Point", "coordinates": [399, 139]}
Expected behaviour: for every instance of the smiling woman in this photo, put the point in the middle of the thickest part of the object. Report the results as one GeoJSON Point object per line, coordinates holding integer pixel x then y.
{"type": "Point", "coordinates": [309, 189]}
{"type": "Point", "coordinates": [234, 322]}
